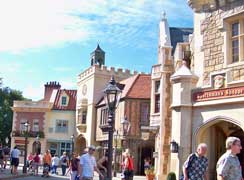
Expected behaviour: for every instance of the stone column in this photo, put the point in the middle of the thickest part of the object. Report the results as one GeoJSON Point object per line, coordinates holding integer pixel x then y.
{"type": "Point", "coordinates": [183, 81]}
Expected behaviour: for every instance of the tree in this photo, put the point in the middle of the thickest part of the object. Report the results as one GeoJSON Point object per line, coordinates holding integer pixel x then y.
{"type": "Point", "coordinates": [7, 97]}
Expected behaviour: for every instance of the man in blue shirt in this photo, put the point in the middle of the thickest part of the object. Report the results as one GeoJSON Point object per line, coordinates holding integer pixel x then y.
{"type": "Point", "coordinates": [88, 165]}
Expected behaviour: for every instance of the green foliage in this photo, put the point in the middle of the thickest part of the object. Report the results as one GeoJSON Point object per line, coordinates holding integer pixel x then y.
{"type": "Point", "coordinates": [7, 97]}
{"type": "Point", "coordinates": [171, 176]}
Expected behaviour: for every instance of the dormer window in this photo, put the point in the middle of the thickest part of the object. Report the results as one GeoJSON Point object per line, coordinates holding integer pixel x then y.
{"type": "Point", "coordinates": [64, 101]}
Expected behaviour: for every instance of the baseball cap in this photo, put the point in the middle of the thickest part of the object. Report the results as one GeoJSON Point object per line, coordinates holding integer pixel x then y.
{"type": "Point", "coordinates": [92, 147]}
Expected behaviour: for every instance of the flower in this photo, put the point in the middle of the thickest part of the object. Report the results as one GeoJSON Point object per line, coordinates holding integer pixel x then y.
{"type": "Point", "coordinates": [150, 171]}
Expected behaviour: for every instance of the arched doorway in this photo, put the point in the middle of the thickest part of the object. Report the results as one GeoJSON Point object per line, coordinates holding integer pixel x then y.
{"type": "Point", "coordinates": [80, 144]}
{"type": "Point", "coordinates": [214, 134]}
{"type": "Point", "coordinates": [36, 147]}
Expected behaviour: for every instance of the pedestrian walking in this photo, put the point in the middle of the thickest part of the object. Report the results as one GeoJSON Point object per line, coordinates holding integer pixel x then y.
{"type": "Point", "coordinates": [35, 164]}
{"type": "Point", "coordinates": [30, 162]}
{"type": "Point", "coordinates": [195, 167]}
{"type": "Point", "coordinates": [128, 165]}
{"type": "Point", "coordinates": [64, 159]}
{"type": "Point", "coordinates": [55, 164]}
{"type": "Point", "coordinates": [88, 165]}
{"type": "Point", "coordinates": [102, 165]}
{"type": "Point", "coordinates": [228, 166]}
{"type": "Point", "coordinates": [74, 167]}
{"type": "Point", "coordinates": [15, 160]}
{"type": "Point", "coordinates": [47, 158]}
{"type": "Point", "coordinates": [6, 155]}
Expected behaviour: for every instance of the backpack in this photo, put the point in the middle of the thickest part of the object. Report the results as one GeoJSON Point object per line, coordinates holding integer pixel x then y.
{"type": "Point", "coordinates": [64, 160]}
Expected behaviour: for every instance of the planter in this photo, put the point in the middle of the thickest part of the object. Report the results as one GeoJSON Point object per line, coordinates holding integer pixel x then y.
{"type": "Point", "coordinates": [150, 176]}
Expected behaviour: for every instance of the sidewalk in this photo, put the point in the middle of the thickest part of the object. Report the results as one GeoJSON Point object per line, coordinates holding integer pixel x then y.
{"type": "Point", "coordinates": [6, 174]}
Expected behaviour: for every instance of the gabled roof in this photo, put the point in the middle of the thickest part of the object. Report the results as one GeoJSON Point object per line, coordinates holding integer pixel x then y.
{"type": "Point", "coordinates": [138, 87]}
{"type": "Point", "coordinates": [71, 103]}
{"type": "Point", "coordinates": [179, 35]}
{"type": "Point", "coordinates": [135, 87]}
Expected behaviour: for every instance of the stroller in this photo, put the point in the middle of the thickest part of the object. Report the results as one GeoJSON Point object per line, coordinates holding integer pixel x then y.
{"type": "Point", "coordinates": [46, 169]}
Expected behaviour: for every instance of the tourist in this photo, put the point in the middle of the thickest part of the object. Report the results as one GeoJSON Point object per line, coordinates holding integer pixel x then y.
{"type": "Point", "coordinates": [102, 165]}
{"type": "Point", "coordinates": [15, 160]}
{"type": "Point", "coordinates": [74, 167]}
{"type": "Point", "coordinates": [128, 166]}
{"type": "Point", "coordinates": [35, 163]}
{"type": "Point", "coordinates": [6, 152]}
{"type": "Point", "coordinates": [64, 162]}
{"type": "Point", "coordinates": [228, 165]}
{"type": "Point", "coordinates": [47, 158]}
{"type": "Point", "coordinates": [195, 167]}
{"type": "Point", "coordinates": [88, 165]}
{"type": "Point", "coordinates": [55, 163]}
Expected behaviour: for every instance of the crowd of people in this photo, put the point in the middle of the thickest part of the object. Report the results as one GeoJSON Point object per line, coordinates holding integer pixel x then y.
{"type": "Point", "coordinates": [77, 167]}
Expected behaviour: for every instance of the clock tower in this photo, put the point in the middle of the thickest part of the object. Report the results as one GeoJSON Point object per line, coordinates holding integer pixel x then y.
{"type": "Point", "coordinates": [98, 56]}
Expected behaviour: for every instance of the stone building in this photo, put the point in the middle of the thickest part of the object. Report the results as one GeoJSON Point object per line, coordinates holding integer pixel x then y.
{"type": "Point", "coordinates": [205, 103]}
{"type": "Point", "coordinates": [91, 83]}
{"type": "Point", "coordinates": [134, 106]}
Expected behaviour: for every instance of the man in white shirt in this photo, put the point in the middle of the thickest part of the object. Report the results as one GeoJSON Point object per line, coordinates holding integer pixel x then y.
{"type": "Point", "coordinates": [88, 165]}
{"type": "Point", "coordinates": [15, 159]}
{"type": "Point", "coordinates": [55, 163]}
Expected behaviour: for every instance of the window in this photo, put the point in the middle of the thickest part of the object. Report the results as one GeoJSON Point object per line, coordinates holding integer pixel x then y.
{"type": "Point", "coordinates": [157, 86]}
{"type": "Point", "coordinates": [104, 116]}
{"type": "Point", "coordinates": [145, 114]}
{"type": "Point", "coordinates": [236, 39]}
{"type": "Point", "coordinates": [64, 101]}
{"type": "Point", "coordinates": [22, 125]}
{"type": "Point", "coordinates": [35, 125]}
{"type": "Point", "coordinates": [157, 97]}
{"type": "Point", "coordinates": [61, 126]}
{"type": "Point", "coordinates": [83, 117]}
{"type": "Point", "coordinates": [65, 147]}
{"type": "Point", "coordinates": [157, 103]}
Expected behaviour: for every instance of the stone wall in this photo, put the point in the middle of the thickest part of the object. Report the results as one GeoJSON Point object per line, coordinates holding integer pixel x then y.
{"type": "Point", "coordinates": [213, 42]}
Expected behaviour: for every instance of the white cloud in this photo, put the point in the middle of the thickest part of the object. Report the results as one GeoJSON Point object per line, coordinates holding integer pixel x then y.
{"type": "Point", "coordinates": [62, 69]}
{"type": "Point", "coordinates": [29, 24]}
{"type": "Point", "coordinates": [34, 92]}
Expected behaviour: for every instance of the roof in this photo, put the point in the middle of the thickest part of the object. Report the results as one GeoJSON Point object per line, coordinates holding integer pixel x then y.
{"type": "Point", "coordinates": [71, 103]}
{"type": "Point", "coordinates": [179, 35]}
{"type": "Point", "coordinates": [135, 87]}
{"type": "Point", "coordinates": [138, 86]}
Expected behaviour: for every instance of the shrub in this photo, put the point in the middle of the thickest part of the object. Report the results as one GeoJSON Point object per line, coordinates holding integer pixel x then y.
{"type": "Point", "coordinates": [171, 176]}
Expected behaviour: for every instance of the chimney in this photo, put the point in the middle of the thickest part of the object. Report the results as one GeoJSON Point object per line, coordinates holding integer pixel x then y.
{"type": "Point", "coordinates": [49, 87]}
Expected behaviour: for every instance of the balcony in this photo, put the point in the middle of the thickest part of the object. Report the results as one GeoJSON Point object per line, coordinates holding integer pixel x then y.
{"type": "Point", "coordinates": [33, 134]}
{"type": "Point", "coordinates": [207, 5]}
{"type": "Point", "coordinates": [81, 128]}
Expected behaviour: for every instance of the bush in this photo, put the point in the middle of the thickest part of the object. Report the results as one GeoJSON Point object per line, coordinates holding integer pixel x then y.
{"type": "Point", "coordinates": [171, 176]}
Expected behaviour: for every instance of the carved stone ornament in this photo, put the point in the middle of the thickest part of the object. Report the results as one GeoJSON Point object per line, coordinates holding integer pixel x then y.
{"type": "Point", "coordinates": [84, 89]}
{"type": "Point", "coordinates": [218, 81]}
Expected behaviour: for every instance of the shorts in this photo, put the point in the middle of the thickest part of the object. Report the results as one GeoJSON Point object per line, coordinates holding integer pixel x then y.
{"type": "Point", "coordinates": [15, 162]}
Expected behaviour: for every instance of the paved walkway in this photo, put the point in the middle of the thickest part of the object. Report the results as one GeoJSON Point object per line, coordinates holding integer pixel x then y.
{"type": "Point", "coordinates": [6, 175]}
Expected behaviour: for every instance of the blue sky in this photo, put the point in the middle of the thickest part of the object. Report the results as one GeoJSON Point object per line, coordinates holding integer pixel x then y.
{"type": "Point", "coordinates": [51, 40]}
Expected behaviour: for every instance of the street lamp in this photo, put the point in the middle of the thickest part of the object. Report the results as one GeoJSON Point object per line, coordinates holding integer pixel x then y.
{"type": "Point", "coordinates": [6, 140]}
{"type": "Point", "coordinates": [116, 134]}
{"type": "Point", "coordinates": [26, 138]}
{"type": "Point", "coordinates": [111, 97]}
{"type": "Point", "coordinates": [126, 125]}
{"type": "Point", "coordinates": [72, 141]}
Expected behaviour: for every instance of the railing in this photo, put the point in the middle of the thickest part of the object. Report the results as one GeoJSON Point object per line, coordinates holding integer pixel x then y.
{"type": "Point", "coordinates": [29, 134]}
{"type": "Point", "coordinates": [32, 104]}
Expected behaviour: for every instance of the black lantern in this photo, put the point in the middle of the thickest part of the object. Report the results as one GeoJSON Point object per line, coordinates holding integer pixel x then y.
{"type": "Point", "coordinates": [112, 97]}
{"type": "Point", "coordinates": [174, 147]}
{"type": "Point", "coordinates": [26, 125]}
{"type": "Point", "coordinates": [126, 125]}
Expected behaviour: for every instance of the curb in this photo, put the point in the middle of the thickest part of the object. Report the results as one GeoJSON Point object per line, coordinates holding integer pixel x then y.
{"type": "Point", "coordinates": [14, 177]}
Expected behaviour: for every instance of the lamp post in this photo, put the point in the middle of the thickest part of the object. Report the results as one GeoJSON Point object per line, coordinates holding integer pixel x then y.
{"type": "Point", "coordinates": [116, 134]}
{"type": "Point", "coordinates": [72, 143]}
{"type": "Point", "coordinates": [112, 97]}
{"type": "Point", "coordinates": [26, 138]}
